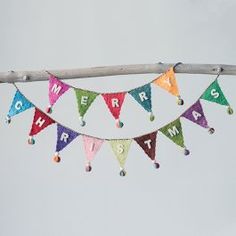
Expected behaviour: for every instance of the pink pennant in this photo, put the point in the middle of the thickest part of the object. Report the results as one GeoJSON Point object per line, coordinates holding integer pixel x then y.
{"type": "Point", "coordinates": [56, 89]}
{"type": "Point", "coordinates": [91, 146]}
{"type": "Point", "coordinates": [114, 102]}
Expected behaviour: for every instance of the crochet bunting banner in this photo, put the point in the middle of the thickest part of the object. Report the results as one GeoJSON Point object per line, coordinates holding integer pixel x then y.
{"type": "Point", "coordinates": [114, 101]}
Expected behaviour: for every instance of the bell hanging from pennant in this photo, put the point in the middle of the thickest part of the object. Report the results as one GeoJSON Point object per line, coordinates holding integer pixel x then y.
{"type": "Point", "coordinates": [82, 122]}
{"type": "Point", "coordinates": [122, 172]}
{"type": "Point", "coordinates": [211, 130]}
{"type": "Point", "coordinates": [180, 101]}
{"type": "Point", "coordinates": [49, 109]}
{"type": "Point", "coordinates": [186, 151]}
{"type": "Point", "coordinates": [156, 164]}
{"type": "Point", "coordinates": [56, 157]}
{"type": "Point", "coordinates": [88, 167]}
{"type": "Point", "coordinates": [151, 116]}
{"type": "Point", "coordinates": [230, 110]}
{"type": "Point", "coordinates": [8, 119]}
{"type": "Point", "coordinates": [119, 124]}
{"type": "Point", "coordinates": [31, 140]}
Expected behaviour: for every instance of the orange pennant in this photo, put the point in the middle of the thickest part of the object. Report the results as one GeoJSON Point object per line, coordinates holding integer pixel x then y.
{"type": "Point", "coordinates": [168, 82]}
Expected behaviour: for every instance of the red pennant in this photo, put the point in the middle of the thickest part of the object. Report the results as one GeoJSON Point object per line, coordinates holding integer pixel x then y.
{"type": "Point", "coordinates": [40, 121]}
{"type": "Point", "coordinates": [148, 144]}
{"type": "Point", "coordinates": [114, 102]}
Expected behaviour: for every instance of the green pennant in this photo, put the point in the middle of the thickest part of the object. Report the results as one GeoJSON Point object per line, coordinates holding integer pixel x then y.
{"type": "Point", "coordinates": [214, 94]}
{"type": "Point", "coordinates": [174, 132]}
{"type": "Point", "coordinates": [84, 100]}
{"type": "Point", "coordinates": [121, 149]}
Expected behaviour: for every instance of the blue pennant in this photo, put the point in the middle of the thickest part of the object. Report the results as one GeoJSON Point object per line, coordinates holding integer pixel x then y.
{"type": "Point", "coordinates": [19, 104]}
{"type": "Point", "coordinates": [143, 96]}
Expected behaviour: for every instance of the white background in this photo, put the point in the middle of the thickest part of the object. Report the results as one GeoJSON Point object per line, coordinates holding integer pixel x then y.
{"type": "Point", "coordinates": [193, 196]}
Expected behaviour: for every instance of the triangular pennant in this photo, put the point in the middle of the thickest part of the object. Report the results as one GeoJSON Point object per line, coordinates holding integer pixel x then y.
{"type": "Point", "coordinates": [143, 96]}
{"type": "Point", "coordinates": [121, 149]}
{"type": "Point", "coordinates": [64, 137]}
{"type": "Point", "coordinates": [91, 146]}
{"type": "Point", "coordinates": [40, 122]}
{"type": "Point", "coordinates": [114, 102]}
{"type": "Point", "coordinates": [214, 94]}
{"type": "Point", "coordinates": [148, 144]}
{"type": "Point", "coordinates": [19, 104]}
{"type": "Point", "coordinates": [84, 100]}
{"type": "Point", "coordinates": [174, 132]}
{"type": "Point", "coordinates": [168, 82]}
{"type": "Point", "coordinates": [195, 114]}
{"type": "Point", "coordinates": [56, 89]}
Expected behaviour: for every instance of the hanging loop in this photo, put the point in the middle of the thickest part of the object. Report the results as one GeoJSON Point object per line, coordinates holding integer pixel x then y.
{"type": "Point", "coordinates": [177, 64]}
{"type": "Point", "coordinates": [219, 70]}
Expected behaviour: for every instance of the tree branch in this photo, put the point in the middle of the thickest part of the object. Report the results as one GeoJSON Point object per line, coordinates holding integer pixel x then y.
{"type": "Point", "coordinates": [31, 76]}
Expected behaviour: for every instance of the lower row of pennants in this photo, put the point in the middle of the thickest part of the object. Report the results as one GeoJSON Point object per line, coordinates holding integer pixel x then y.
{"type": "Point", "coordinates": [120, 147]}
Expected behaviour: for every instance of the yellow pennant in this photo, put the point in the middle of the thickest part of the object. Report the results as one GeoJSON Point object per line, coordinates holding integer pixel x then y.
{"type": "Point", "coordinates": [168, 82]}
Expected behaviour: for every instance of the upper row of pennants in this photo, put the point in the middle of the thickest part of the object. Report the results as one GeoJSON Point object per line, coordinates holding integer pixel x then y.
{"type": "Point", "coordinates": [114, 101]}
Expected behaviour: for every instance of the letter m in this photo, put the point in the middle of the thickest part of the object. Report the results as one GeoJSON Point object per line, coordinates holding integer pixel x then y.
{"type": "Point", "coordinates": [56, 89]}
{"type": "Point", "coordinates": [173, 131]}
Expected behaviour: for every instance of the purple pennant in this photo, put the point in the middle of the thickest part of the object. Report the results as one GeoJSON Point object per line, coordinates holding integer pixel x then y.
{"type": "Point", "coordinates": [64, 137]}
{"type": "Point", "coordinates": [195, 114]}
